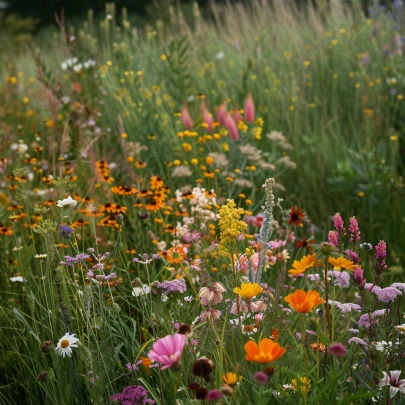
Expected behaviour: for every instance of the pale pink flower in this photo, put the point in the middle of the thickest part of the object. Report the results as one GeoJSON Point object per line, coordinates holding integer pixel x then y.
{"type": "Point", "coordinates": [210, 314]}
{"type": "Point", "coordinates": [236, 116]}
{"type": "Point", "coordinates": [244, 263]}
{"type": "Point", "coordinates": [185, 117]}
{"type": "Point", "coordinates": [394, 382]}
{"type": "Point", "coordinates": [211, 295]}
{"type": "Point", "coordinates": [168, 350]}
{"type": "Point", "coordinates": [249, 108]}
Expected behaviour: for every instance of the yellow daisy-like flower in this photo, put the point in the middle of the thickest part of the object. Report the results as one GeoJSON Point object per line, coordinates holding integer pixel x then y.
{"type": "Point", "coordinates": [231, 378]}
{"type": "Point", "coordinates": [299, 266]}
{"type": "Point", "coordinates": [248, 290]}
{"type": "Point", "coordinates": [340, 263]}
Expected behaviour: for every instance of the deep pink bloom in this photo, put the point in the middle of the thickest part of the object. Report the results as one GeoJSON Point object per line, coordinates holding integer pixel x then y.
{"type": "Point", "coordinates": [185, 117]}
{"type": "Point", "coordinates": [261, 378]}
{"type": "Point", "coordinates": [358, 277]}
{"type": "Point", "coordinates": [354, 230]}
{"type": "Point", "coordinates": [337, 350]}
{"type": "Point", "coordinates": [249, 108]}
{"type": "Point", "coordinates": [380, 255]}
{"type": "Point", "coordinates": [231, 126]}
{"type": "Point", "coordinates": [338, 222]}
{"type": "Point", "coordinates": [333, 238]}
{"type": "Point", "coordinates": [222, 114]}
{"type": "Point", "coordinates": [207, 117]}
{"type": "Point", "coordinates": [168, 350]}
{"type": "Point", "coordinates": [214, 395]}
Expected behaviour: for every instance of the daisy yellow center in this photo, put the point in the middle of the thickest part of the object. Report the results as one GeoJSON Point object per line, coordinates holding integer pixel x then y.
{"type": "Point", "coordinates": [64, 344]}
{"type": "Point", "coordinates": [337, 268]}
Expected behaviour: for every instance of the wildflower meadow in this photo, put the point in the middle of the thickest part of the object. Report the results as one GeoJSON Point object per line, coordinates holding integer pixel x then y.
{"type": "Point", "coordinates": [205, 208]}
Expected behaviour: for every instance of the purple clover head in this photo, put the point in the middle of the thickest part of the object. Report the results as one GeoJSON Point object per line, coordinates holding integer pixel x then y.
{"type": "Point", "coordinates": [65, 231]}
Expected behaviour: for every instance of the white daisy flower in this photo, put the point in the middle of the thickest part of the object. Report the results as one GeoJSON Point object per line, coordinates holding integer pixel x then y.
{"type": "Point", "coordinates": [18, 278]}
{"type": "Point", "coordinates": [66, 202]}
{"type": "Point", "coordinates": [65, 344]}
{"type": "Point", "coordinates": [138, 291]}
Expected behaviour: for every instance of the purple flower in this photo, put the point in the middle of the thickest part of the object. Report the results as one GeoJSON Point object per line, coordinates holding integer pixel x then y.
{"type": "Point", "coordinates": [173, 286]}
{"type": "Point", "coordinates": [346, 307]}
{"type": "Point", "coordinates": [133, 395]}
{"type": "Point", "coordinates": [358, 341]}
{"type": "Point", "coordinates": [340, 278]}
{"type": "Point", "coordinates": [337, 350]}
{"type": "Point", "coordinates": [388, 294]}
{"type": "Point", "coordinates": [261, 378]}
{"type": "Point", "coordinates": [214, 395]}
{"type": "Point", "coordinates": [365, 320]}
{"type": "Point", "coordinates": [65, 231]}
{"type": "Point", "coordinates": [354, 331]}
{"type": "Point", "coordinates": [399, 286]}
{"type": "Point", "coordinates": [338, 223]}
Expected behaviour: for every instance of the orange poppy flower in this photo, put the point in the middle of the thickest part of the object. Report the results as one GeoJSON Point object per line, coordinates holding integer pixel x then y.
{"type": "Point", "coordinates": [340, 263]}
{"type": "Point", "coordinates": [146, 362]}
{"type": "Point", "coordinates": [303, 301]}
{"type": "Point", "coordinates": [308, 261]}
{"type": "Point", "coordinates": [264, 352]}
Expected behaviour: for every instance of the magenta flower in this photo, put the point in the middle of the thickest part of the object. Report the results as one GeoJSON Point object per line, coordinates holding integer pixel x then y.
{"type": "Point", "coordinates": [338, 222]}
{"type": "Point", "coordinates": [394, 382]}
{"type": "Point", "coordinates": [261, 378]}
{"type": "Point", "coordinates": [358, 277]}
{"type": "Point", "coordinates": [222, 114]}
{"type": "Point", "coordinates": [168, 350]}
{"type": "Point", "coordinates": [214, 395]}
{"type": "Point", "coordinates": [337, 350]}
{"type": "Point", "coordinates": [354, 230]}
{"type": "Point", "coordinates": [381, 254]}
{"type": "Point", "coordinates": [333, 238]}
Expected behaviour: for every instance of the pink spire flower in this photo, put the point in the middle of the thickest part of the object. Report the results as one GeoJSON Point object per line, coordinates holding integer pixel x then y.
{"type": "Point", "coordinates": [381, 254]}
{"type": "Point", "coordinates": [185, 117]}
{"type": "Point", "coordinates": [222, 114]}
{"type": "Point", "coordinates": [394, 382]}
{"type": "Point", "coordinates": [231, 126]}
{"type": "Point", "coordinates": [249, 108]}
{"type": "Point", "coordinates": [168, 351]}
{"type": "Point", "coordinates": [354, 230]}
{"type": "Point", "coordinates": [207, 117]}
{"type": "Point", "coordinates": [333, 238]}
{"type": "Point", "coordinates": [338, 222]}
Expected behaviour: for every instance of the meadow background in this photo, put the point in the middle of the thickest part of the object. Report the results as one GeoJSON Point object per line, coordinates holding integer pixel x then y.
{"type": "Point", "coordinates": [108, 100]}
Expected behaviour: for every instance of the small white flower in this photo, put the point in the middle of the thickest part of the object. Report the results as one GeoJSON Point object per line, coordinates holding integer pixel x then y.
{"type": "Point", "coordinates": [20, 147]}
{"type": "Point", "coordinates": [138, 291]}
{"type": "Point", "coordinates": [66, 202]}
{"type": "Point", "coordinates": [220, 55]}
{"type": "Point", "coordinates": [18, 278]}
{"type": "Point", "coordinates": [65, 344]}
{"type": "Point", "coordinates": [108, 17]}
{"type": "Point", "coordinates": [41, 256]}
{"type": "Point", "coordinates": [188, 299]}
{"type": "Point", "coordinates": [164, 297]}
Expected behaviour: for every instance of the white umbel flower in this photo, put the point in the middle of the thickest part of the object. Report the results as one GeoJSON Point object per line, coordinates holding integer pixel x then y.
{"type": "Point", "coordinates": [18, 278]}
{"type": "Point", "coordinates": [66, 202]}
{"type": "Point", "coordinates": [66, 343]}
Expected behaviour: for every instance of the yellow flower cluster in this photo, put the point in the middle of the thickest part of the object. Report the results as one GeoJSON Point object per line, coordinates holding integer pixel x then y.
{"type": "Point", "coordinates": [230, 224]}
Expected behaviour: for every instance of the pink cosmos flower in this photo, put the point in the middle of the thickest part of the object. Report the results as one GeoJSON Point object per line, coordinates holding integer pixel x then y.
{"type": "Point", "coordinates": [168, 350]}
{"type": "Point", "coordinates": [394, 382]}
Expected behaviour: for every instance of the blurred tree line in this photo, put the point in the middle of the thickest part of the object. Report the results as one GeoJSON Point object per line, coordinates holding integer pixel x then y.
{"type": "Point", "coordinates": [43, 11]}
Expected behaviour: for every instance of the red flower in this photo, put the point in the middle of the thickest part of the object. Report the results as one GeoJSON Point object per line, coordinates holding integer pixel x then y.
{"type": "Point", "coordinates": [304, 243]}
{"type": "Point", "coordinates": [296, 214]}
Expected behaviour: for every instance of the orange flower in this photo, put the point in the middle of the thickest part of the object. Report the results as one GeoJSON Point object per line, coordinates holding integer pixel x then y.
{"type": "Point", "coordinates": [319, 347]}
{"type": "Point", "coordinates": [146, 362]}
{"type": "Point", "coordinates": [264, 352]}
{"type": "Point", "coordinates": [303, 301]}
{"type": "Point", "coordinates": [176, 254]}
{"type": "Point", "coordinates": [299, 266]}
{"type": "Point", "coordinates": [340, 263]}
